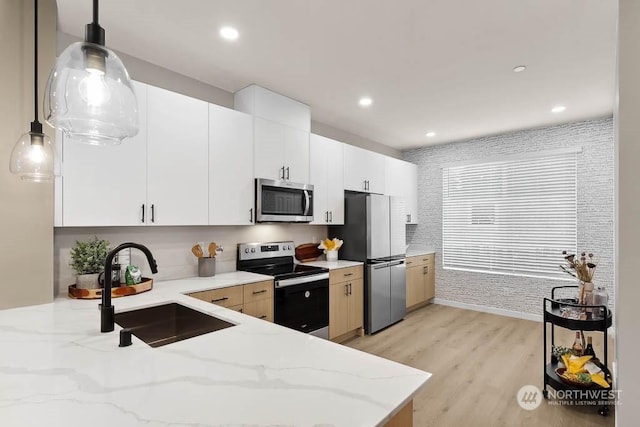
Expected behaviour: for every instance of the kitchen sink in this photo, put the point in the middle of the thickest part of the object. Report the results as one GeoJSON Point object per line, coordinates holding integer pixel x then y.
{"type": "Point", "coordinates": [169, 323]}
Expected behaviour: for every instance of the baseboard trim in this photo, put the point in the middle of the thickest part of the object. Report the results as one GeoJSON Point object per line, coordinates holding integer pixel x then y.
{"type": "Point", "coordinates": [492, 310]}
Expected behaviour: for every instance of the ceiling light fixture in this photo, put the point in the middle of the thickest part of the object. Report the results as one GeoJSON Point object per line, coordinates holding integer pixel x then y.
{"type": "Point", "coordinates": [430, 134]}
{"type": "Point", "coordinates": [519, 68]}
{"type": "Point", "coordinates": [34, 158]}
{"type": "Point", "coordinates": [558, 109]}
{"type": "Point", "coordinates": [365, 102]}
{"type": "Point", "coordinates": [89, 94]}
{"type": "Point", "coordinates": [229, 33]}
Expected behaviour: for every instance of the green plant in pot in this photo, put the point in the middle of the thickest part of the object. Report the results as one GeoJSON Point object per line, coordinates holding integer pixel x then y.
{"type": "Point", "coordinates": [87, 260]}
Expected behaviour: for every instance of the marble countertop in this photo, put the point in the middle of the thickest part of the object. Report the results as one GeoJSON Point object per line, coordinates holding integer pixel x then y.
{"type": "Point", "coordinates": [57, 369]}
{"type": "Point", "coordinates": [334, 265]}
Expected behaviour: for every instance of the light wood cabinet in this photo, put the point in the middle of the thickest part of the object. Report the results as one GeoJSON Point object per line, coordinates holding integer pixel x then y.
{"type": "Point", "coordinates": [421, 285]}
{"type": "Point", "coordinates": [346, 303]}
{"type": "Point", "coordinates": [326, 174]}
{"type": "Point", "coordinates": [254, 299]}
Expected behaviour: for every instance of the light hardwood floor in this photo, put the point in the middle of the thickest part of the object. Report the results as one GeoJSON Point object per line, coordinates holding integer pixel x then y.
{"type": "Point", "coordinates": [479, 361]}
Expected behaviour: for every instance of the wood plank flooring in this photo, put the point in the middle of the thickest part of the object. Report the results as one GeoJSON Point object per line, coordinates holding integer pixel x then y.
{"type": "Point", "coordinates": [479, 361]}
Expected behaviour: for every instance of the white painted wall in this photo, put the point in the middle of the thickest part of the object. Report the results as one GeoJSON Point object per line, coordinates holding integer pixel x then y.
{"type": "Point", "coordinates": [628, 214]}
{"type": "Point", "coordinates": [26, 209]}
{"type": "Point", "coordinates": [171, 246]}
{"type": "Point", "coordinates": [595, 210]}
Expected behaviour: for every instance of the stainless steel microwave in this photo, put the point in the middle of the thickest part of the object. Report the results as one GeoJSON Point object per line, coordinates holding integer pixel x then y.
{"type": "Point", "coordinates": [283, 201]}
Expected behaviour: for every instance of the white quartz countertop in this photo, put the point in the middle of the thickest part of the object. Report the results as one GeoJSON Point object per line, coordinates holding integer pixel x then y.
{"type": "Point", "coordinates": [415, 250]}
{"type": "Point", "coordinates": [334, 265]}
{"type": "Point", "coordinates": [57, 369]}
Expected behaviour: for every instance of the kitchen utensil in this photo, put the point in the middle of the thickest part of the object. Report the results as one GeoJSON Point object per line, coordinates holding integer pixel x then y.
{"type": "Point", "coordinates": [307, 252]}
{"type": "Point", "coordinates": [212, 249]}
{"type": "Point", "coordinates": [197, 251]}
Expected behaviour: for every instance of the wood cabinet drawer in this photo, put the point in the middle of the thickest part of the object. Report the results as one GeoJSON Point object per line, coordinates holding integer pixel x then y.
{"type": "Point", "coordinates": [226, 297]}
{"type": "Point", "coordinates": [262, 309]}
{"type": "Point", "coordinates": [344, 274]}
{"type": "Point", "coordinates": [239, 308]}
{"type": "Point", "coordinates": [258, 291]}
{"type": "Point", "coordinates": [420, 260]}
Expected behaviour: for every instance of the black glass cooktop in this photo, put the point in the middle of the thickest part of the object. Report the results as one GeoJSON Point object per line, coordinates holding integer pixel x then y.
{"type": "Point", "coordinates": [285, 271]}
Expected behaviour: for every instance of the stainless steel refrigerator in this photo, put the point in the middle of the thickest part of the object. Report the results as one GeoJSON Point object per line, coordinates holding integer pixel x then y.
{"type": "Point", "coordinates": [374, 233]}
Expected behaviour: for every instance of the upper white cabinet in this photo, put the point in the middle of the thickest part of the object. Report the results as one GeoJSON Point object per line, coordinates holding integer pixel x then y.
{"type": "Point", "coordinates": [326, 174]}
{"type": "Point", "coordinates": [103, 186]}
{"type": "Point", "coordinates": [177, 159]}
{"type": "Point", "coordinates": [261, 102]}
{"type": "Point", "coordinates": [402, 181]}
{"type": "Point", "coordinates": [231, 185]}
{"type": "Point", "coordinates": [364, 170]}
{"type": "Point", "coordinates": [281, 134]}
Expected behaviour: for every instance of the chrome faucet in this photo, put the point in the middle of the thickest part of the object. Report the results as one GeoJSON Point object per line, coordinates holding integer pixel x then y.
{"type": "Point", "coordinates": [107, 311]}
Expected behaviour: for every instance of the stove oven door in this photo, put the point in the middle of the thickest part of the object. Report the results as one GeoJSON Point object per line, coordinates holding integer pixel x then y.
{"type": "Point", "coordinates": [302, 304]}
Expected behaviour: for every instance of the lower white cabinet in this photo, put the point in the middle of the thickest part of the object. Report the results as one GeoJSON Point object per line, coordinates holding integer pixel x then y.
{"type": "Point", "coordinates": [402, 181]}
{"type": "Point", "coordinates": [326, 174]}
{"type": "Point", "coordinates": [231, 184]}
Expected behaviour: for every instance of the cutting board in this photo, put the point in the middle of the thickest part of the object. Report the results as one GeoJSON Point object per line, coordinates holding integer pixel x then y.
{"type": "Point", "coordinates": [308, 252]}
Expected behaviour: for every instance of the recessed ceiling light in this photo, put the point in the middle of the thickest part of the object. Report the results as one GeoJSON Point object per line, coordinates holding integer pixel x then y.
{"type": "Point", "coordinates": [558, 109]}
{"type": "Point", "coordinates": [365, 102]}
{"type": "Point", "coordinates": [519, 68]}
{"type": "Point", "coordinates": [229, 33]}
{"type": "Point", "coordinates": [430, 134]}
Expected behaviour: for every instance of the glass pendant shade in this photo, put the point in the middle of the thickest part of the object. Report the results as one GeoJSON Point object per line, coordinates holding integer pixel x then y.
{"type": "Point", "coordinates": [34, 158]}
{"type": "Point", "coordinates": [90, 97]}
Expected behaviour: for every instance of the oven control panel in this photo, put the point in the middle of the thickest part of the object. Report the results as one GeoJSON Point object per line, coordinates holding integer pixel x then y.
{"type": "Point", "coordinates": [248, 251]}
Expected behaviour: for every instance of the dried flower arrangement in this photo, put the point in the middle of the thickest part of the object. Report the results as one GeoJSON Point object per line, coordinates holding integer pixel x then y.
{"type": "Point", "coordinates": [582, 268]}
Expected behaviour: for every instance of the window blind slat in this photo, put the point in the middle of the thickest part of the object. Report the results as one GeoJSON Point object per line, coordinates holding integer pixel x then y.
{"type": "Point", "coordinates": [511, 217]}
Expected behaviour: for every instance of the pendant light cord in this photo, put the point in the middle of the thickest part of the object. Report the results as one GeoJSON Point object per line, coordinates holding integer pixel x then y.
{"type": "Point", "coordinates": [95, 11]}
{"type": "Point", "coordinates": [35, 58]}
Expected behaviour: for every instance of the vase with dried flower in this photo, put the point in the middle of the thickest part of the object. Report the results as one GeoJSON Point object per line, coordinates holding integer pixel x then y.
{"type": "Point", "coordinates": [582, 267]}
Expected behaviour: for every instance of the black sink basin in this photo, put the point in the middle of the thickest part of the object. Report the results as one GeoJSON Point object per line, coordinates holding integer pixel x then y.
{"type": "Point", "coordinates": [168, 323]}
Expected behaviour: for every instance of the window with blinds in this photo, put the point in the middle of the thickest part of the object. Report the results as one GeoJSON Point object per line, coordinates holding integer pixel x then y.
{"type": "Point", "coordinates": [514, 216]}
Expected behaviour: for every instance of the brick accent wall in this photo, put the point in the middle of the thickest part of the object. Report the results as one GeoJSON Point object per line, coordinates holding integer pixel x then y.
{"type": "Point", "coordinates": [595, 210]}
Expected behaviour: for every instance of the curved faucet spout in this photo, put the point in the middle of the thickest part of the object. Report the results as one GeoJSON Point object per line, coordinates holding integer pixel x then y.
{"type": "Point", "coordinates": [107, 311]}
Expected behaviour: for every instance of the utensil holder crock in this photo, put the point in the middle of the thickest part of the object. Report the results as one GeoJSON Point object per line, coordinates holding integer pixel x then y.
{"type": "Point", "coordinates": [206, 267]}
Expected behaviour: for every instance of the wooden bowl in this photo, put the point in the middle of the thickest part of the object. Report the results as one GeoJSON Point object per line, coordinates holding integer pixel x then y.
{"type": "Point", "coordinates": [116, 292]}
{"type": "Point", "coordinates": [308, 252]}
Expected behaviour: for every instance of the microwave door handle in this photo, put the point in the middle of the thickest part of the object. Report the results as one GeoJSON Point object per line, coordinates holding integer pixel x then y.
{"type": "Point", "coordinates": [307, 202]}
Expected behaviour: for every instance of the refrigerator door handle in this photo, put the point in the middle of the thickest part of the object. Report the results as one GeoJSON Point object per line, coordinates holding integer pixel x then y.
{"type": "Point", "coordinates": [382, 265]}
{"type": "Point", "coordinates": [396, 263]}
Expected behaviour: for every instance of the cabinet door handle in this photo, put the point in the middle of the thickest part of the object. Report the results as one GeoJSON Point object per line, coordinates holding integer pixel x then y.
{"type": "Point", "coordinates": [350, 289]}
{"type": "Point", "coordinates": [264, 316]}
{"type": "Point", "coordinates": [287, 172]}
{"type": "Point", "coordinates": [409, 262]}
{"type": "Point", "coordinates": [281, 176]}
{"type": "Point", "coordinates": [426, 270]}
{"type": "Point", "coordinates": [241, 310]}
{"type": "Point", "coordinates": [330, 216]}
{"type": "Point", "coordinates": [348, 274]}
{"type": "Point", "coordinates": [259, 292]}
{"type": "Point", "coordinates": [153, 213]}
{"type": "Point", "coordinates": [326, 216]}
{"type": "Point", "coordinates": [346, 289]}
{"type": "Point", "coordinates": [219, 299]}
{"type": "Point", "coordinates": [143, 213]}
{"type": "Point", "coordinates": [251, 215]}
{"type": "Point", "coordinates": [408, 218]}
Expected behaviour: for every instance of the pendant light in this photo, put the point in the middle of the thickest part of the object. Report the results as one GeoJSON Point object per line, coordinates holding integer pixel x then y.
{"type": "Point", "coordinates": [89, 93]}
{"type": "Point", "coordinates": [34, 158]}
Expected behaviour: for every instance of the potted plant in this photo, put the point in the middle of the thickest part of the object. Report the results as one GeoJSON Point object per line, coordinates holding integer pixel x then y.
{"type": "Point", "coordinates": [87, 260]}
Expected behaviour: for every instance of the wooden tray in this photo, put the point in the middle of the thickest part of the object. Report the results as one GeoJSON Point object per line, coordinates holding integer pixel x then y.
{"type": "Point", "coordinates": [120, 291]}
{"type": "Point", "coordinates": [308, 252]}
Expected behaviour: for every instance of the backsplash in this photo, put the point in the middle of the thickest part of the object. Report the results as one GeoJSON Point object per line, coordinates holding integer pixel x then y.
{"type": "Point", "coordinates": [171, 246]}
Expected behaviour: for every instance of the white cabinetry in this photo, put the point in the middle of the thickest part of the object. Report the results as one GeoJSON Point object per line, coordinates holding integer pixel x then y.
{"type": "Point", "coordinates": [103, 186]}
{"type": "Point", "coordinates": [402, 180]}
{"type": "Point", "coordinates": [326, 174]}
{"type": "Point", "coordinates": [281, 134]}
{"type": "Point", "coordinates": [231, 185]}
{"type": "Point", "coordinates": [364, 170]}
{"type": "Point", "coordinates": [177, 159]}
